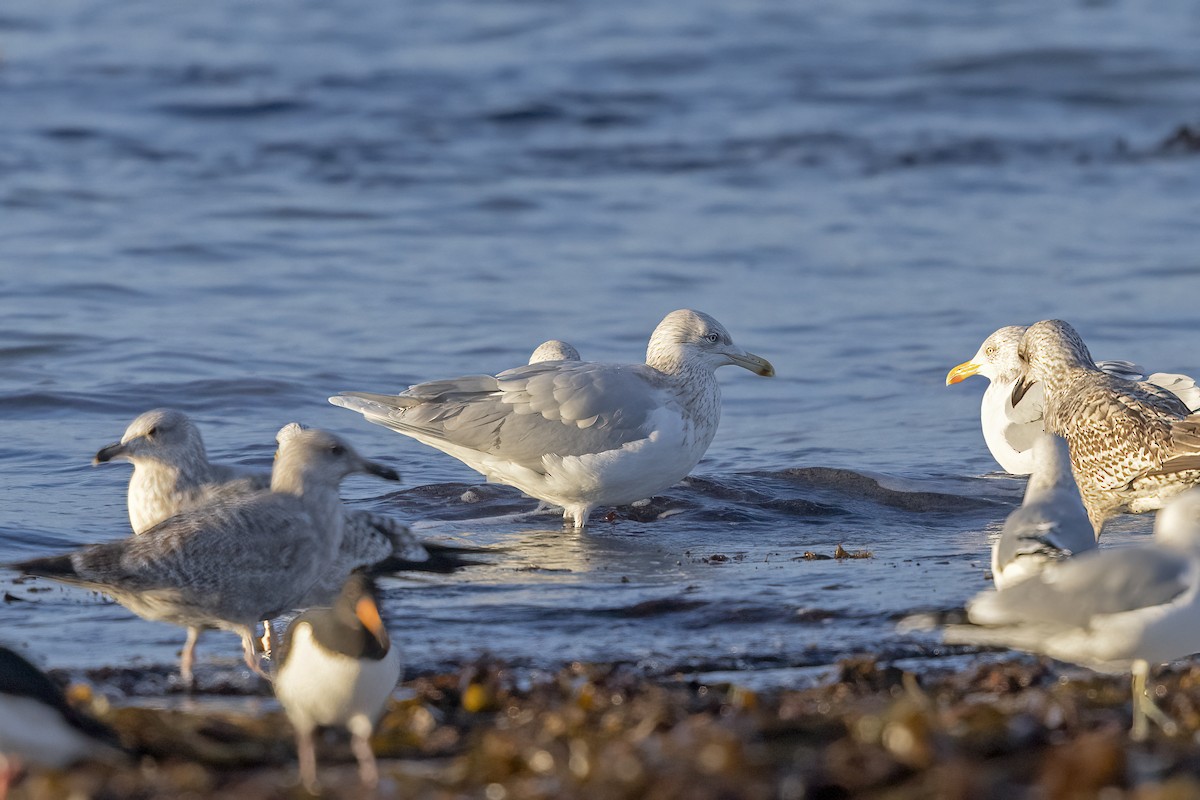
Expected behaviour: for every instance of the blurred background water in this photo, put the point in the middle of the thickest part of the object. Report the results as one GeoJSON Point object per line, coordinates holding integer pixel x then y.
{"type": "Point", "coordinates": [239, 209]}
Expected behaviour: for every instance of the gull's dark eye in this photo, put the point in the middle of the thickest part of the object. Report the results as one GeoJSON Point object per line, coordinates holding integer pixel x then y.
{"type": "Point", "coordinates": [337, 449]}
{"type": "Point", "coordinates": [152, 432]}
{"type": "Point", "coordinates": [713, 338]}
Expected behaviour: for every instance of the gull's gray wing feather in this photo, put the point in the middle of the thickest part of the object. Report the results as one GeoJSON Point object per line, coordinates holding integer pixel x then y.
{"type": "Point", "coordinates": [268, 536]}
{"type": "Point", "coordinates": [1045, 531]}
{"type": "Point", "coordinates": [1072, 592]}
{"type": "Point", "coordinates": [371, 538]}
{"type": "Point", "coordinates": [240, 478]}
{"type": "Point", "coordinates": [1123, 369]}
{"type": "Point", "coordinates": [560, 408]}
{"type": "Point", "coordinates": [1182, 386]}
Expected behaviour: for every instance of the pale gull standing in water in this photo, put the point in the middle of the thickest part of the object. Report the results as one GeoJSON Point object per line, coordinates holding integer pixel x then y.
{"type": "Point", "coordinates": [1051, 523]}
{"type": "Point", "coordinates": [554, 350]}
{"type": "Point", "coordinates": [1009, 431]}
{"type": "Point", "coordinates": [235, 559]}
{"type": "Point", "coordinates": [1133, 445]}
{"type": "Point", "coordinates": [1112, 610]}
{"type": "Point", "coordinates": [338, 667]}
{"type": "Point", "coordinates": [578, 434]}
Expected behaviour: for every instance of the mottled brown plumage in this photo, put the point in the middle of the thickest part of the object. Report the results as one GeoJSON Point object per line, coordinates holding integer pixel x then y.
{"type": "Point", "coordinates": [1133, 445]}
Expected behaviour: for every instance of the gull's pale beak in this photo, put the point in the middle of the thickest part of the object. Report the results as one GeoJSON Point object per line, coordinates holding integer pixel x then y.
{"type": "Point", "coordinates": [108, 453]}
{"type": "Point", "coordinates": [756, 364]}
{"type": "Point", "coordinates": [368, 614]}
{"type": "Point", "coordinates": [962, 372]}
{"type": "Point", "coordinates": [383, 471]}
{"type": "Point", "coordinates": [1019, 389]}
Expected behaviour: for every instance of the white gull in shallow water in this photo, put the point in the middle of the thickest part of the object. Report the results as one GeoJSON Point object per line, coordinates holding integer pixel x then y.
{"type": "Point", "coordinates": [1112, 610]}
{"type": "Point", "coordinates": [232, 560]}
{"type": "Point", "coordinates": [1009, 431]}
{"type": "Point", "coordinates": [1051, 523]}
{"type": "Point", "coordinates": [171, 472]}
{"type": "Point", "coordinates": [1133, 445]}
{"type": "Point", "coordinates": [578, 434]}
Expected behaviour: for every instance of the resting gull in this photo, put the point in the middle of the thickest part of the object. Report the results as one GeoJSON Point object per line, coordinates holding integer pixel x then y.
{"type": "Point", "coordinates": [1133, 445]}
{"type": "Point", "coordinates": [1112, 610]}
{"type": "Point", "coordinates": [338, 667]}
{"type": "Point", "coordinates": [554, 350]}
{"type": "Point", "coordinates": [1051, 523]}
{"type": "Point", "coordinates": [235, 559]}
{"type": "Point", "coordinates": [1009, 431]}
{"type": "Point", "coordinates": [578, 434]}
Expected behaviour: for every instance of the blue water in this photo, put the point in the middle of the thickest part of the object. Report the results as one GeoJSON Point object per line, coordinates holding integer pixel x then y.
{"type": "Point", "coordinates": [239, 209]}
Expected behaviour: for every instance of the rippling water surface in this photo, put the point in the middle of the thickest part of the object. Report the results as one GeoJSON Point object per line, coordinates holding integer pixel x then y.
{"type": "Point", "coordinates": [239, 209]}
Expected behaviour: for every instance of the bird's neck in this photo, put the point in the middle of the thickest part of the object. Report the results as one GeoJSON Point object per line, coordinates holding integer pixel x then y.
{"type": "Point", "coordinates": [1051, 468]}
{"type": "Point", "coordinates": [700, 395]}
{"type": "Point", "coordinates": [319, 498]}
{"type": "Point", "coordinates": [158, 490]}
{"type": "Point", "coordinates": [1056, 388]}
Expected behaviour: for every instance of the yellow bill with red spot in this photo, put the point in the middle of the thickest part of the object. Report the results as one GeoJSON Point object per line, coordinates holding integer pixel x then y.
{"type": "Point", "coordinates": [962, 372]}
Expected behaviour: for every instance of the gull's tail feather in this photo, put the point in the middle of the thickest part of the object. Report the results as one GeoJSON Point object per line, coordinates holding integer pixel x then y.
{"type": "Point", "coordinates": [364, 402]}
{"type": "Point", "coordinates": [1185, 447]}
{"type": "Point", "coordinates": [443, 560]}
{"type": "Point", "coordinates": [60, 568]}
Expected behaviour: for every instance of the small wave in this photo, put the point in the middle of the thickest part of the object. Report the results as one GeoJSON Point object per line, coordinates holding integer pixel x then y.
{"type": "Point", "coordinates": [233, 109]}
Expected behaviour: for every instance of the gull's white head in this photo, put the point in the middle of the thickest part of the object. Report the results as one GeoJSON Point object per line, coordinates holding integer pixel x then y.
{"type": "Point", "coordinates": [996, 359]}
{"type": "Point", "coordinates": [163, 435]}
{"type": "Point", "coordinates": [693, 338]}
{"type": "Point", "coordinates": [554, 350]}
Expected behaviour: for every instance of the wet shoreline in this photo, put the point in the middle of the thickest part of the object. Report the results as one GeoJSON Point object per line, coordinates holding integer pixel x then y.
{"type": "Point", "coordinates": [1004, 726]}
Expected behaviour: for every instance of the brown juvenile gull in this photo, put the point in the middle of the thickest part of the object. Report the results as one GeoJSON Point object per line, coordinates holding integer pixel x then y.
{"type": "Point", "coordinates": [1111, 610]}
{"type": "Point", "coordinates": [554, 350]}
{"type": "Point", "coordinates": [234, 559]}
{"type": "Point", "coordinates": [1133, 445]}
{"type": "Point", "coordinates": [1009, 431]}
{"type": "Point", "coordinates": [338, 667]}
{"type": "Point", "coordinates": [1051, 523]}
{"type": "Point", "coordinates": [578, 434]}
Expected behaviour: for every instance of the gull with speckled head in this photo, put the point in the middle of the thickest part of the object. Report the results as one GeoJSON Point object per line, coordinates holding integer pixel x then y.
{"type": "Point", "coordinates": [1133, 445]}
{"type": "Point", "coordinates": [554, 350]}
{"type": "Point", "coordinates": [578, 434]}
{"type": "Point", "coordinates": [232, 560]}
{"type": "Point", "coordinates": [1010, 431]}
{"type": "Point", "coordinates": [172, 472]}
{"type": "Point", "coordinates": [1111, 610]}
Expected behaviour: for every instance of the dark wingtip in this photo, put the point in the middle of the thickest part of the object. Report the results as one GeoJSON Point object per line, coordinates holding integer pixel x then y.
{"type": "Point", "coordinates": [1020, 389]}
{"type": "Point", "coordinates": [50, 567]}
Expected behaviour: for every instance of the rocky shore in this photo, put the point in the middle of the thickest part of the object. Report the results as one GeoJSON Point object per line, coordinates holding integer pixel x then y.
{"type": "Point", "coordinates": [1014, 727]}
